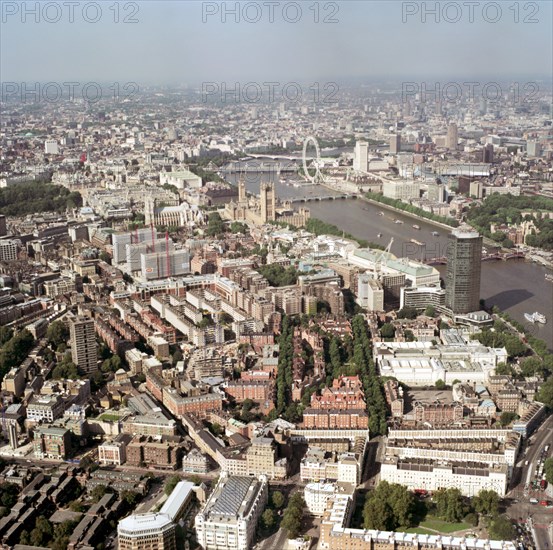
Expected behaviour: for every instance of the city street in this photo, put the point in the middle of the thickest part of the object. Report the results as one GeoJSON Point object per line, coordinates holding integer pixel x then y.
{"type": "Point", "coordinates": [520, 508]}
{"type": "Point", "coordinates": [274, 542]}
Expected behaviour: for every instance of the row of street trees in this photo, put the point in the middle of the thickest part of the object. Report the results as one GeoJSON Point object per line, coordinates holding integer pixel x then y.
{"type": "Point", "coordinates": [362, 358]}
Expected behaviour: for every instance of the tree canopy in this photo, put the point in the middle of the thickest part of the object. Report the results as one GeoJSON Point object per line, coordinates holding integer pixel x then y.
{"type": "Point", "coordinates": [548, 469]}
{"type": "Point", "coordinates": [545, 394]}
{"type": "Point", "coordinates": [408, 313]}
{"type": "Point", "coordinates": [389, 507]}
{"type": "Point", "coordinates": [397, 203]}
{"type": "Point", "coordinates": [501, 528]}
{"type": "Point", "coordinates": [278, 275]}
{"type": "Point", "coordinates": [486, 502]}
{"type": "Point", "coordinates": [277, 498]}
{"type": "Point", "coordinates": [113, 364]}
{"type": "Point", "coordinates": [318, 227]}
{"type": "Point", "coordinates": [500, 339]}
{"type": "Point", "coordinates": [293, 516]}
{"type": "Point", "coordinates": [5, 334]}
{"type": "Point", "coordinates": [507, 417]}
{"type": "Point", "coordinates": [387, 330]}
{"type": "Point", "coordinates": [238, 227]}
{"type": "Point", "coordinates": [57, 333]}
{"type": "Point", "coordinates": [8, 494]}
{"type": "Point", "coordinates": [508, 209]}
{"type": "Point", "coordinates": [171, 483]}
{"type": "Point", "coordinates": [15, 350]}
{"type": "Point", "coordinates": [66, 369]}
{"type": "Point", "coordinates": [450, 504]}
{"type": "Point", "coordinates": [215, 225]}
{"type": "Point", "coordinates": [31, 197]}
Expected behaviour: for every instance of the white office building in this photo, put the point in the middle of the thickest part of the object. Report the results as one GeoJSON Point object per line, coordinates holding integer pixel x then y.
{"type": "Point", "coordinates": [403, 190]}
{"type": "Point", "coordinates": [361, 158]}
{"type": "Point", "coordinates": [370, 293]}
{"type": "Point", "coordinates": [181, 179]}
{"type": "Point", "coordinates": [156, 531]}
{"type": "Point", "coordinates": [229, 518]}
{"type": "Point", "coordinates": [423, 363]}
{"type": "Point", "coordinates": [51, 147]}
{"type": "Point", "coordinates": [422, 297]}
{"type": "Point", "coordinates": [431, 475]}
{"type": "Point", "coordinates": [8, 251]}
{"type": "Point", "coordinates": [318, 494]}
{"type": "Point", "coordinates": [417, 273]}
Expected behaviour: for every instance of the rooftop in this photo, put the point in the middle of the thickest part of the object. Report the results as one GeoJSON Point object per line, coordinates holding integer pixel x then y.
{"type": "Point", "coordinates": [179, 495]}
{"type": "Point", "coordinates": [137, 524]}
{"type": "Point", "coordinates": [233, 497]}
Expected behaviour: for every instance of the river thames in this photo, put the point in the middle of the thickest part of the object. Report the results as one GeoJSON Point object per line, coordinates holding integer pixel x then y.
{"type": "Point", "coordinates": [515, 286]}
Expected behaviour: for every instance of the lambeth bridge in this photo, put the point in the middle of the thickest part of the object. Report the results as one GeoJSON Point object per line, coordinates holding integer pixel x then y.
{"type": "Point", "coordinates": [485, 258]}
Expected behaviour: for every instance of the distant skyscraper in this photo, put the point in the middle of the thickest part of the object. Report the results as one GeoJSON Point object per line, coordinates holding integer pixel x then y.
{"type": "Point", "coordinates": [487, 153]}
{"type": "Point", "coordinates": [84, 352]}
{"type": "Point", "coordinates": [361, 157]}
{"type": "Point", "coordinates": [483, 106]}
{"type": "Point", "coordinates": [533, 148]}
{"type": "Point", "coordinates": [395, 143]}
{"type": "Point", "coordinates": [462, 285]}
{"type": "Point", "coordinates": [452, 136]}
{"type": "Point", "coordinates": [51, 147]}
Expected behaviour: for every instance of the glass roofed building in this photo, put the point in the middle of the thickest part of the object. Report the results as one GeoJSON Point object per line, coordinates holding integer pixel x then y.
{"type": "Point", "coordinates": [229, 517]}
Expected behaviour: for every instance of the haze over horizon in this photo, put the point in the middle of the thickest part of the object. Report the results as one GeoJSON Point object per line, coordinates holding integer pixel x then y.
{"type": "Point", "coordinates": [170, 44]}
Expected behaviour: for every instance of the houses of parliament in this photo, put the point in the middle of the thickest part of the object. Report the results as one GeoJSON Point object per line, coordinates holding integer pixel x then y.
{"type": "Point", "coordinates": [264, 209]}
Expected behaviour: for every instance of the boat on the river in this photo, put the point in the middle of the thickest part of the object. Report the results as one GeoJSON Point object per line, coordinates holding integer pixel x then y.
{"type": "Point", "coordinates": [398, 221]}
{"type": "Point", "coordinates": [381, 213]}
{"type": "Point", "coordinates": [418, 243]}
{"type": "Point", "coordinates": [415, 226]}
{"type": "Point", "coordinates": [536, 317]}
{"type": "Point", "coordinates": [379, 235]}
{"type": "Point", "coordinates": [435, 233]}
{"type": "Point", "coordinates": [549, 277]}
{"type": "Point", "coordinates": [540, 318]}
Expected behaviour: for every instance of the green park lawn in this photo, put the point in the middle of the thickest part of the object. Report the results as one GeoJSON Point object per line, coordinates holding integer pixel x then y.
{"type": "Point", "coordinates": [442, 526]}
{"type": "Point", "coordinates": [419, 531]}
{"type": "Point", "coordinates": [433, 525]}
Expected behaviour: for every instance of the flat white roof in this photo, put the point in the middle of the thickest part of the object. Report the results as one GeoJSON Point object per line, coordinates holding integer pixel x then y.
{"type": "Point", "coordinates": [179, 495]}
{"type": "Point", "coordinates": [139, 523]}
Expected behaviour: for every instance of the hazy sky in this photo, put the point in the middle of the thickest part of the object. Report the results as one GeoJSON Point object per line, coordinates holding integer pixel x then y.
{"type": "Point", "coordinates": [180, 41]}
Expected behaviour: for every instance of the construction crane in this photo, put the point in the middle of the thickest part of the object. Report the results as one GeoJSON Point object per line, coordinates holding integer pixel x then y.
{"type": "Point", "coordinates": [153, 237]}
{"type": "Point", "coordinates": [384, 254]}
